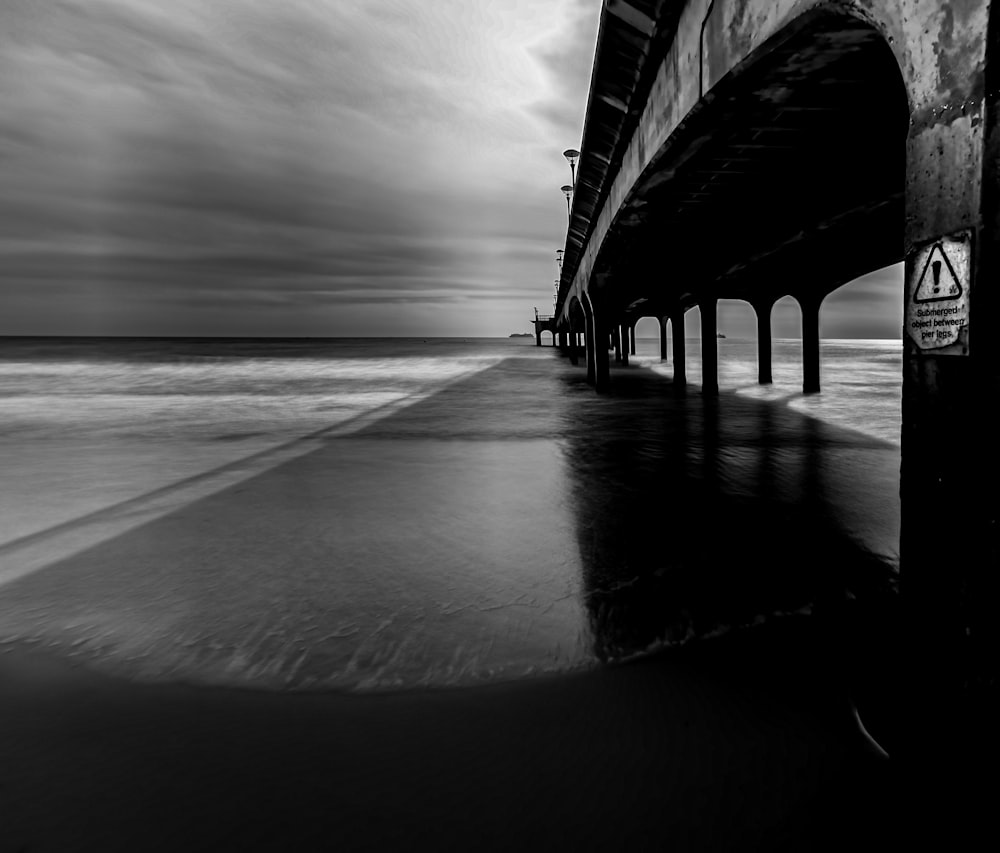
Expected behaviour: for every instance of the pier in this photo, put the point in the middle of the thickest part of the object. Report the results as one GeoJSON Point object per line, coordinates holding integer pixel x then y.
{"type": "Point", "coordinates": [758, 149]}
{"type": "Point", "coordinates": [544, 323]}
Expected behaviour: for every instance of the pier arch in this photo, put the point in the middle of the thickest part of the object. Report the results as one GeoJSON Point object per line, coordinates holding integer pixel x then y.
{"type": "Point", "coordinates": [788, 180]}
{"type": "Point", "coordinates": [647, 329]}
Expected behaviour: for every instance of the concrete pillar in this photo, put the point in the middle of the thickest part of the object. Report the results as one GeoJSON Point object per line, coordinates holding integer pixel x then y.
{"type": "Point", "coordinates": [663, 338]}
{"type": "Point", "coordinates": [602, 366]}
{"type": "Point", "coordinates": [592, 344]}
{"type": "Point", "coordinates": [810, 344]}
{"type": "Point", "coordinates": [616, 342]}
{"type": "Point", "coordinates": [572, 347]}
{"type": "Point", "coordinates": [709, 347]}
{"type": "Point", "coordinates": [984, 584]}
{"type": "Point", "coordinates": [538, 335]}
{"type": "Point", "coordinates": [623, 331]}
{"type": "Point", "coordinates": [763, 308]}
{"type": "Point", "coordinates": [680, 370]}
{"type": "Point", "coordinates": [598, 369]}
{"type": "Point", "coordinates": [950, 457]}
{"type": "Point", "coordinates": [598, 335]}
{"type": "Point", "coordinates": [631, 339]}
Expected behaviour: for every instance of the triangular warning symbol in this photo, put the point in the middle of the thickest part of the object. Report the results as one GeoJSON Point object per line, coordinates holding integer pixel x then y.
{"type": "Point", "coordinates": [937, 279]}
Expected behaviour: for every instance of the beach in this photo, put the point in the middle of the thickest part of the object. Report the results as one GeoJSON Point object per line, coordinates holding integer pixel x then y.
{"type": "Point", "coordinates": [505, 612]}
{"type": "Point", "coordinates": [732, 747]}
{"type": "Point", "coordinates": [314, 534]}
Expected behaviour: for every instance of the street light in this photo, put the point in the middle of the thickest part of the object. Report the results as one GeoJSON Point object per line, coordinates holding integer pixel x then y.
{"type": "Point", "coordinates": [572, 155]}
{"type": "Point", "coordinates": [567, 191]}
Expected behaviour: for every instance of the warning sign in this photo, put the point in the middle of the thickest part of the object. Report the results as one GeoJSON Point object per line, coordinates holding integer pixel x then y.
{"type": "Point", "coordinates": [938, 275]}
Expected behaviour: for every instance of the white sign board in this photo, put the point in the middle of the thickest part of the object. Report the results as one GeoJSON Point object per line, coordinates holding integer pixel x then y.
{"type": "Point", "coordinates": [938, 276]}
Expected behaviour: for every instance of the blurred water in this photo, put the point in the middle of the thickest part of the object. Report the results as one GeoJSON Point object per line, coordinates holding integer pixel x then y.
{"type": "Point", "coordinates": [393, 513]}
{"type": "Point", "coordinates": [186, 391]}
{"type": "Point", "coordinates": [89, 423]}
{"type": "Point", "coordinates": [861, 380]}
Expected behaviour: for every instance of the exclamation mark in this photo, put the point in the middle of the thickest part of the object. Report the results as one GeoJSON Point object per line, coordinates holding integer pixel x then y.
{"type": "Point", "coordinates": [936, 270]}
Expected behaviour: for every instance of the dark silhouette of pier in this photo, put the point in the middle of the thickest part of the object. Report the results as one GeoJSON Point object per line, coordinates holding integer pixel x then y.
{"type": "Point", "coordinates": [758, 149]}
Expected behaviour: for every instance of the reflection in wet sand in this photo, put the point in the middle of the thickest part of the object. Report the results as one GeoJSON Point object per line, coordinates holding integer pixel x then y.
{"type": "Point", "coordinates": [695, 516]}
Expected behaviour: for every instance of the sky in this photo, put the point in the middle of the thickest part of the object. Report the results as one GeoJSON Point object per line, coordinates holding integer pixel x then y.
{"type": "Point", "coordinates": [303, 167]}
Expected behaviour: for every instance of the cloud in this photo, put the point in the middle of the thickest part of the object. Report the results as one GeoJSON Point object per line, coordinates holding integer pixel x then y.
{"type": "Point", "coordinates": [569, 63]}
{"type": "Point", "coordinates": [188, 152]}
{"type": "Point", "coordinates": [868, 307]}
{"type": "Point", "coordinates": [304, 166]}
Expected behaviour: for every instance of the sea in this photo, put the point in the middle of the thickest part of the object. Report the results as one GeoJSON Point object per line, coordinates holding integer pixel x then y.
{"type": "Point", "coordinates": [391, 514]}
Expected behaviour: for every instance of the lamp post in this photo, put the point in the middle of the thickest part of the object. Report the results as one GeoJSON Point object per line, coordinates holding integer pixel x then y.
{"type": "Point", "coordinates": [567, 191]}
{"type": "Point", "coordinates": [572, 155]}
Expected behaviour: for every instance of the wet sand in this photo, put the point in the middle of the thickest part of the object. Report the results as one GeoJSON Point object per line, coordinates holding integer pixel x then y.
{"type": "Point", "coordinates": [737, 744]}
{"type": "Point", "coordinates": [743, 742]}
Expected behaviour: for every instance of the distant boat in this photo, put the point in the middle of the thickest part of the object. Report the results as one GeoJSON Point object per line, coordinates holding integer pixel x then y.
{"type": "Point", "coordinates": [521, 335]}
{"type": "Point", "coordinates": [719, 335]}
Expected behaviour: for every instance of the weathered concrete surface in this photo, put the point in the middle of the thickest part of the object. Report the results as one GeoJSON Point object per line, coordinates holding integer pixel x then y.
{"type": "Point", "coordinates": [940, 52]}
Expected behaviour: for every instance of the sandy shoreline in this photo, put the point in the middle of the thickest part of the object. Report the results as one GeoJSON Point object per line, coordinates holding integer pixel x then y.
{"type": "Point", "coordinates": [739, 743]}
{"type": "Point", "coordinates": [743, 742]}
